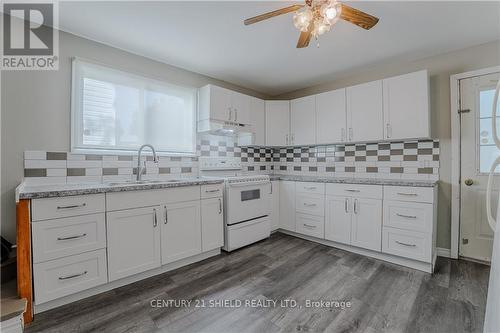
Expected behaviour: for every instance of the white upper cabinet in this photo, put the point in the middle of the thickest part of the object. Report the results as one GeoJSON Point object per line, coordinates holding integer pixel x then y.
{"type": "Point", "coordinates": [365, 116]}
{"type": "Point", "coordinates": [303, 121]}
{"type": "Point", "coordinates": [277, 123]}
{"type": "Point", "coordinates": [216, 103]}
{"type": "Point", "coordinates": [331, 117]}
{"type": "Point", "coordinates": [257, 136]}
{"type": "Point", "coordinates": [406, 106]}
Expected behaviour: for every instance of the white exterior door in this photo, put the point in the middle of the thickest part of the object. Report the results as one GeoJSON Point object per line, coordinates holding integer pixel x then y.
{"type": "Point", "coordinates": [365, 112]}
{"type": "Point", "coordinates": [212, 224]}
{"type": "Point", "coordinates": [331, 119]}
{"type": "Point", "coordinates": [277, 123]}
{"type": "Point", "coordinates": [338, 219]}
{"type": "Point", "coordinates": [275, 204]}
{"type": "Point", "coordinates": [287, 205]}
{"type": "Point", "coordinates": [478, 152]}
{"type": "Point", "coordinates": [366, 227]}
{"type": "Point", "coordinates": [406, 106]}
{"type": "Point", "coordinates": [180, 231]}
{"type": "Point", "coordinates": [303, 121]}
{"type": "Point", "coordinates": [133, 241]}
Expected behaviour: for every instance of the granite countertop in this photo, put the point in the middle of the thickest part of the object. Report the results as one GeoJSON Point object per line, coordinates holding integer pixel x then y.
{"type": "Point", "coordinates": [362, 181]}
{"type": "Point", "coordinates": [24, 191]}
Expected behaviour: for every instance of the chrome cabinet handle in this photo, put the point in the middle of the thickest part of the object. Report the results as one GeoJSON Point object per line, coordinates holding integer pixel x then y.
{"type": "Point", "coordinates": [406, 244]}
{"type": "Point", "coordinates": [286, 139]}
{"type": "Point", "coordinates": [342, 135]}
{"type": "Point", "coordinates": [271, 188]}
{"type": "Point", "coordinates": [72, 206]}
{"type": "Point", "coordinates": [236, 115]}
{"type": "Point", "coordinates": [155, 219]}
{"type": "Point", "coordinates": [166, 215]}
{"type": "Point", "coordinates": [309, 205]}
{"type": "Point", "coordinates": [350, 133]}
{"type": "Point", "coordinates": [293, 138]}
{"type": "Point", "coordinates": [355, 206]}
{"type": "Point", "coordinates": [408, 194]}
{"type": "Point", "coordinates": [346, 205]}
{"type": "Point", "coordinates": [230, 113]}
{"type": "Point", "coordinates": [310, 188]}
{"type": "Point", "coordinates": [309, 226]}
{"type": "Point", "coordinates": [355, 191]}
{"type": "Point", "coordinates": [220, 206]}
{"type": "Point", "coordinates": [406, 216]}
{"type": "Point", "coordinates": [72, 237]}
{"type": "Point", "coordinates": [212, 191]}
{"type": "Point", "coordinates": [72, 276]}
{"type": "Point", "coordinates": [388, 130]}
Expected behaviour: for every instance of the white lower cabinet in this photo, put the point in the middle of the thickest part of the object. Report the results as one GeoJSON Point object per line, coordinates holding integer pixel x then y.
{"type": "Point", "coordinates": [212, 224]}
{"type": "Point", "coordinates": [287, 205]}
{"type": "Point", "coordinates": [338, 219]}
{"type": "Point", "coordinates": [408, 244]}
{"type": "Point", "coordinates": [181, 231]}
{"type": "Point", "coordinates": [275, 205]}
{"type": "Point", "coordinates": [133, 241]}
{"type": "Point", "coordinates": [310, 225]}
{"type": "Point", "coordinates": [366, 226]}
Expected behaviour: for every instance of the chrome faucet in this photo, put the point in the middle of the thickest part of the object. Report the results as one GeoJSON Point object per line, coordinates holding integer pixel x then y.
{"type": "Point", "coordinates": [140, 169]}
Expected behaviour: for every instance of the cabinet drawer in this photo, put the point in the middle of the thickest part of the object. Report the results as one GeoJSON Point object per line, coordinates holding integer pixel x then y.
{"type": "Point", "coordinates": [310, 225]}
{"type": "Point", "coordinates": [414, 216]}
{"type": "Point", "coordinates": [64, 237]}
{"type": "Point", "coordinates": [212, 191]}
{"type": "Point", "coordinates": [53, 208]}
{"type": "Point", "coordinates": [412, 194]}
{"type": "Point", "coordinates": [57, 278]}
{"type": "Point", "coordinates": [310, 204]}
{"type": "Point", "coordinates": [310, 187]}
{"type": "Point", "coordinates": [355, 190]}
{"type": "Point", "coordinates": [408, 244]}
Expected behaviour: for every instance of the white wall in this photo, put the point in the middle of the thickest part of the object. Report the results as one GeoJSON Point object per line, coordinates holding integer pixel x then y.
{"type": "Point", "coordinates": [440, 67]}
{"type": "Point", "coordinates": [36, 108]}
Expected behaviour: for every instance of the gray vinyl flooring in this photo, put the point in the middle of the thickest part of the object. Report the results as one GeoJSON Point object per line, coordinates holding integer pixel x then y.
{"type": "Point", "coordinates": [383, 297]}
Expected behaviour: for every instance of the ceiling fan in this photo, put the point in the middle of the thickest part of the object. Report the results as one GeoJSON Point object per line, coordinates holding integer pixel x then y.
{"type": "Point", "coordinates": [317, 17]}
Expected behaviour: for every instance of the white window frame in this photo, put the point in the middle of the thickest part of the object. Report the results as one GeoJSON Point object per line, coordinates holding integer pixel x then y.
{"type": "Point", "coordinates": [75, 125]}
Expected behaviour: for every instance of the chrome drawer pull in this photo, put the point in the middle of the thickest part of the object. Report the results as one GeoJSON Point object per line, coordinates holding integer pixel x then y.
{"type": "Point", "coordinates": [406, 244]}
{"type": "Point", "coordinates": [406, 216]}
{"type": "Point", "coordinates": [309, 205]}
{"type": "Point", "coordinates": [309, 226]}
{"type": "Point", "coordinates": [72, 276]}
{"type": "Point", "coordinates": [356, 191]}
{"type": "Point", "coordinates": [155, 218]}
{"type": "Point", "coordinates": [408, 194]}
{"type": "Point", "coordinates": [166, 215]}
{"type": "Point", "coordinates": [212, 191]}
{"type": "Point", "coordinates": [72, 237]}
{"type": "Point", "coordinates": [220, 206]}
{"type": "Point", "coordinates": [310, 188]}
{"type": "Point", "coordinates": [72, 206]}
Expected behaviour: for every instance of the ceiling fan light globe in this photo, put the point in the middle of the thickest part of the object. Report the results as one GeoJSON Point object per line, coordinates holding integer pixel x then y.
{"type": "Point", "coordinates": [302, 19]}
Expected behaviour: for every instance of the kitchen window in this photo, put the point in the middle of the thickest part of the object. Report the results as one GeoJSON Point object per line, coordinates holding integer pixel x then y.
{"type": "Point", "coordinates": [116, 111]}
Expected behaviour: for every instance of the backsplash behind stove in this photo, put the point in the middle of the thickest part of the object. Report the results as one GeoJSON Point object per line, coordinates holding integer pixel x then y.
{"type": "Point", "coordinates": [416, 160]}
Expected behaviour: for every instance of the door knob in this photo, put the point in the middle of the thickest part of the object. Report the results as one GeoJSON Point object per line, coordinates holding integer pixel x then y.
{"type": "Point", "coordinates": [469, 182]}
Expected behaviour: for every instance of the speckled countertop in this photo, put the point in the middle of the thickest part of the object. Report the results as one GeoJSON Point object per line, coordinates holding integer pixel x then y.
{"type": "Point", "coordinates": [24, 191]}
{"type": "Point", "coordinates": [363, 181]}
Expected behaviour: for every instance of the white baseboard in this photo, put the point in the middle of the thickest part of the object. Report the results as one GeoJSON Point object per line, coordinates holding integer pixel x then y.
{"type": "Point", "coordinates": [442, 252]}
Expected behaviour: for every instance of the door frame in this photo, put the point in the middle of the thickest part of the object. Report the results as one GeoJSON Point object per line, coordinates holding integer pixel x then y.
{"type": "Point", "coordinates": [455, 151]}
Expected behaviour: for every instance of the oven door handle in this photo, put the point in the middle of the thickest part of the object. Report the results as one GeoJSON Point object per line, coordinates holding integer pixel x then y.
{"type": "Point", "coordinates": [249, 184]}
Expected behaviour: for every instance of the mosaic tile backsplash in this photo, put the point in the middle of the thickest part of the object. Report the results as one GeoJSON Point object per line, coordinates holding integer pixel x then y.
{"type": "Point", "coordinates": [417, 160]}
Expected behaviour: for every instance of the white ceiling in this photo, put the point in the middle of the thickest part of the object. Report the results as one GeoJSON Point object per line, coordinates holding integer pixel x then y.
{"type": "Point", "coordinates": [210, 38]}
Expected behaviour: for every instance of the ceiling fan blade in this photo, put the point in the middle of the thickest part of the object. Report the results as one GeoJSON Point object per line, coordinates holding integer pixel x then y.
{"type": "Point", "coordinates": [304, 38]}
{"type": "Point", "coordinates": [357, 17]}
{"type": "Point", "coordinates": [274, 13]}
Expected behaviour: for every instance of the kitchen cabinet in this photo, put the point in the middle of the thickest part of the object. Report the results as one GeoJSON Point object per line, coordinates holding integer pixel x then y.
{"type": "Point", "coordinates": [331, 117]}
{"type": "Point", "coordinates": [275, 205]}
{"type": "Point", "coordinates": [303, 121]}
{"type": "Point", "coordinates": [212, 223]}
{"type": "Point", "coordinates": [216, 103]}
{"type": "Point", "coordinates": [365, 112]}
{"type": "Point", "coordinates": [180, 231]}
{"type": "Point", "coordinates": [277, 123]}
{"type": "Point", "coordinates": [338, 219]}
{"type": "Point", "coordinates": [406, 106]}
{"type": "Point", "coordinates": [133, 241]}
{"type": "Point", "coordinates": [366, 226]}
{"type": "Point", "coordinates": [257, 135]}
{"type": "Point", "coordinates": [287, 205]}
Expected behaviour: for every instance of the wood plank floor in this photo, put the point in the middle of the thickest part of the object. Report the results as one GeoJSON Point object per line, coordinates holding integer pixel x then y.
{"type": "Point", "coordinates": [384, 297]}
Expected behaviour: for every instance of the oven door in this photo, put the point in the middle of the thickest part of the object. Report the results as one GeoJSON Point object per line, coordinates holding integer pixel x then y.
{"type": "Point", "coordinates": [246, 201]}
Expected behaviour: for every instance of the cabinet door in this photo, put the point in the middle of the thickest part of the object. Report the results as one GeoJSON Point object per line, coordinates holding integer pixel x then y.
{"type": "Point", "coordinates": [180, 231]}
{"type": "Point", "coordinates": [331, 121]}
{"type": "Point", "coordinates": [277, 123]}
{"type": "Point", "coordinates": [275, 205]}
{"type": "Point", "coordinates": [258, 121]}
{"type": "Point", "coordinates": [366, 224]}
{"type": "Point", "coordinates": [365, 112]}
{"type": "Point", "coordinates": [212, 234]}
{"type": "Point", "coordinates": [133, 241]}
{"type": "Point", "coordinates": [220, 103]}
{"type": "Point", "coordinates": [406, 106]}
{"type": "Point", "coordinates": [303, 121]}
{"type": "Point", "coordinates": [287, 205]}
{"type": "Point", "coordinates": [338, 219]}
{"type": "Point", "coordinates": [240, 104]}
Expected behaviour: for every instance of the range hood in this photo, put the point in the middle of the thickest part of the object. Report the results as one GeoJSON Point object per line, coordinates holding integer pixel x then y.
{"type": "Point", "coordinates": [224, 128]}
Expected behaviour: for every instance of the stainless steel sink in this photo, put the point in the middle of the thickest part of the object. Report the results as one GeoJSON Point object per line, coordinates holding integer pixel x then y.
{"type": "Point", "coordinates": [141, 182]}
